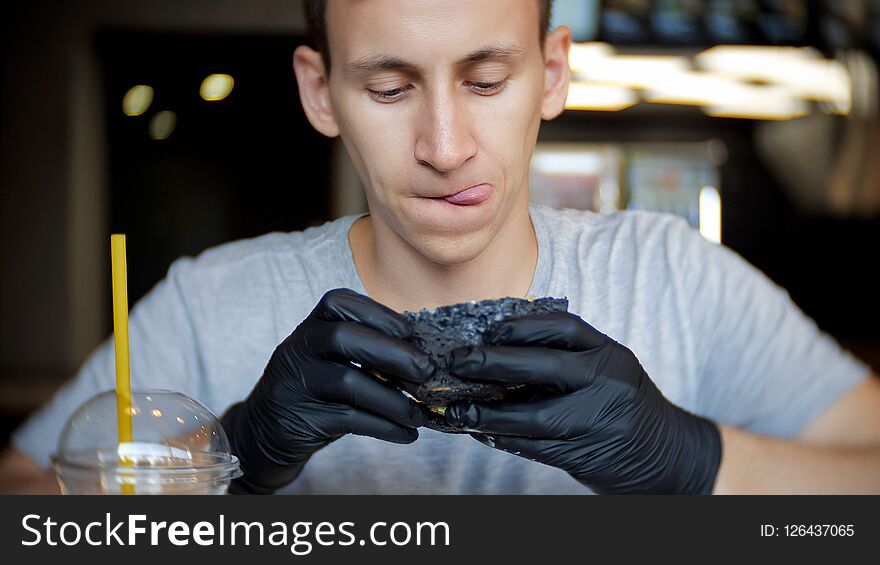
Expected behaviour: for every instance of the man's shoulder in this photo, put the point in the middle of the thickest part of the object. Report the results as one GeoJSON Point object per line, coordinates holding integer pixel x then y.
{"type": "Point", "coordinates": [640, 225]}
{"type": "Point", "coordinates": [289, 262]}
{"type": "Point", "coordinates": [313, 241]}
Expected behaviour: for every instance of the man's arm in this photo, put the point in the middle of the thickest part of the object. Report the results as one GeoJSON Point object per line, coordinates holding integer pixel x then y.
{"type": "Point", "coordinates": [837, 453]}
{"type": "Point", "coordinates": [19, 474]}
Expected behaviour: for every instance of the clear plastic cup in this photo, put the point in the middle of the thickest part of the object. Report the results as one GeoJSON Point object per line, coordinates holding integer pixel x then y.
{"type": "Point", "coordinates": [178, 447]}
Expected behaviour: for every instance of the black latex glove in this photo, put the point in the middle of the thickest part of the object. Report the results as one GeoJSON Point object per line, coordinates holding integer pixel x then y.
{"type": "Point", "coordinates": [310, 394]}
{"type": "Point", "coordinates": [606, 423]}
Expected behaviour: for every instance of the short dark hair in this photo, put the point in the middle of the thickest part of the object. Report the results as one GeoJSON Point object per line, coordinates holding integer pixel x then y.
{"type": "Point", "coordinates": [316, 11]}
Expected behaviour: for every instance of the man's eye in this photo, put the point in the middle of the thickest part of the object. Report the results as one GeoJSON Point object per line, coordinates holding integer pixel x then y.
{"type": "Point", "coordinates": [388, 95]}
{"type": "Point", "coordinates": [486, 88]}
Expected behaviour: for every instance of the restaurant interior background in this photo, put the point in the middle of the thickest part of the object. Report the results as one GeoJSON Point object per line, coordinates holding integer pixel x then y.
{"type": "Point", "coordinates": [178, 122]}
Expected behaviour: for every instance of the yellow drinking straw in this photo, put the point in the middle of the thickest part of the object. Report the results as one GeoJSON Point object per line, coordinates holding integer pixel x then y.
{"type": "Point", "coordinates": [120, 334]}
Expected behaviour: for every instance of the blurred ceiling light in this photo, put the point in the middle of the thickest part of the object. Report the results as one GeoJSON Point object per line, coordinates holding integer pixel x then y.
{"type": "Point", "coordinates": [710, 214]}
{"type": "Point", "coordinates": [599, 63]}
{"type": "Point", "coordinates": [794, 109]}
{"type": "Point", "coordinates": [724, 96]}
{"type": "Point", "coordinates": [162, 125]}
{"type": "Point", "coordinates": [585, 96]}
{"type": "Point", "coordinates": [759, 106]}
{"type": "Point", "coordinates": [575, 163]}
{"type": "Point", "coordinates": [802, 69]}
{"type": "Point", "coordinates": [582, 56]}
{"type": "Point", "coordinates": [735, 81]}
{"type": "Point", "coordinates": [697, 89]}
{"type": "Point", "coordinates": [137, 100]}
{"type": "Point", "coordinates": [216, 87]}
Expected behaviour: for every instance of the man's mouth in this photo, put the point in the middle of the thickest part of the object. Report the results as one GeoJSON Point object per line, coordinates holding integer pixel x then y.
{"type": "Point", "coordinates": [469, 196]}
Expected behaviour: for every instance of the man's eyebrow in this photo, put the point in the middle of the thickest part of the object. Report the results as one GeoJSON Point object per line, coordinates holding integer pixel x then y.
{"type": "Point", "coordinates": [376, 63]}
{"type": "Point", "coordinates": [495, 52]}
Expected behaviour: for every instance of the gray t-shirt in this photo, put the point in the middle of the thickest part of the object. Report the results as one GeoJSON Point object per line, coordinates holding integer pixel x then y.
{"type": "Point", "coordinates": [716, 335]}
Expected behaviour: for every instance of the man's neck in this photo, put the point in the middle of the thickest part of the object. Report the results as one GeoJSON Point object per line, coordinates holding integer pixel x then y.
{"type": "Point", "coordinates": [398, 276]}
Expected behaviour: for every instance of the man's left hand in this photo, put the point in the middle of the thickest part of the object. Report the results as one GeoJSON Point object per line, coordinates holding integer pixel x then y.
{"type": "Point", "coordinates": [605, 422]}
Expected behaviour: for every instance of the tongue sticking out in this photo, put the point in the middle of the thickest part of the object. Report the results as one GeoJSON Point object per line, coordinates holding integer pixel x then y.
{"type": "Point", "coordinates": [470, 196]}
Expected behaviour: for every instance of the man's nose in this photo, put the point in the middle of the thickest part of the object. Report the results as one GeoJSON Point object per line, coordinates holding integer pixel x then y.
{"type": "Point", "coordinates": [445, 140]}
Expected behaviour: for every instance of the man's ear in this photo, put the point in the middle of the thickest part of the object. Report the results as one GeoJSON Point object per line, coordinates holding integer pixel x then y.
{"type": "Point", "coordinates": [313, 93]}
{"type": "Point", "coordinates": [557, 74]}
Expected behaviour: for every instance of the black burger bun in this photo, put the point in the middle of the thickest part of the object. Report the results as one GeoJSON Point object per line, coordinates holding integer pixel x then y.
{"type": "Point", "coordinates": [443, 329]}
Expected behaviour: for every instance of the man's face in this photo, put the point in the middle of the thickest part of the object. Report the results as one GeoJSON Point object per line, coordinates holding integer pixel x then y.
{"type": "Point", "coordinates": [437, 98]}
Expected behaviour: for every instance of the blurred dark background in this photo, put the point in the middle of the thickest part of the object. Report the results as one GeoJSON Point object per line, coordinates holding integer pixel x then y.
{"type": "Point", "coordinates": [800, 194]}
{"type": "Point", "coordinates": [233, 168]}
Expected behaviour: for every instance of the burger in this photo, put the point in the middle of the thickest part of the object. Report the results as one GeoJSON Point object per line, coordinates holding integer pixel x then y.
{"type": "Point", "coordinates": [445, 328]}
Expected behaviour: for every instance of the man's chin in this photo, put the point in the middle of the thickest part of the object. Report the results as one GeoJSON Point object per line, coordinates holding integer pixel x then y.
{"type": "Point", "coordinates": [450, 250]}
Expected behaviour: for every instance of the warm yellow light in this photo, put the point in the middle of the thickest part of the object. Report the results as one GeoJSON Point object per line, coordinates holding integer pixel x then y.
{"type": "Point", "coordinates": [567, 163]}
{"type": "Point", "coordinates": [724, 96]}
{"type": "Point", "coordinates": [216, 87]}
{"type": "Point", "coordinates": [582, 56]}
{"type": "Point", "coordinates": [771, 83]}
{"type": "Point", "coordinates": [758, 114]}
{"type": "Point", "coordinates": [767, 103]}
{"type": "Point", "coordinates": [597, 62]}
{"type": "Point", "coordinates": [802, 70]}
{"type": "Point", "coordinates": [693, 88]}
{"type": "Point", "coordinates": [584, 96]}
{"type": "Point", "coordinates": [162, 125]}
{"type": "Point", "coordinates": [710, 214]}
{"type": "Point", "coordinates": [137, 100]}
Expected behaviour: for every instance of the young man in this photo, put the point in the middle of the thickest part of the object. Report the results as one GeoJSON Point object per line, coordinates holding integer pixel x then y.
{"type": "Point", "coordinates": [439, 103]}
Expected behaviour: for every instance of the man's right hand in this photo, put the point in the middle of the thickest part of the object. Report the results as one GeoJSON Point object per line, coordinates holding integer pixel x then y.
{"type": "Point", "coordinates": [311, 393]}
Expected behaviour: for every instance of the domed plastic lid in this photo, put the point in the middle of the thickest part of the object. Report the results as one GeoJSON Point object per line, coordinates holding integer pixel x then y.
{"type": "Point", "coordinates": [172, 436]}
